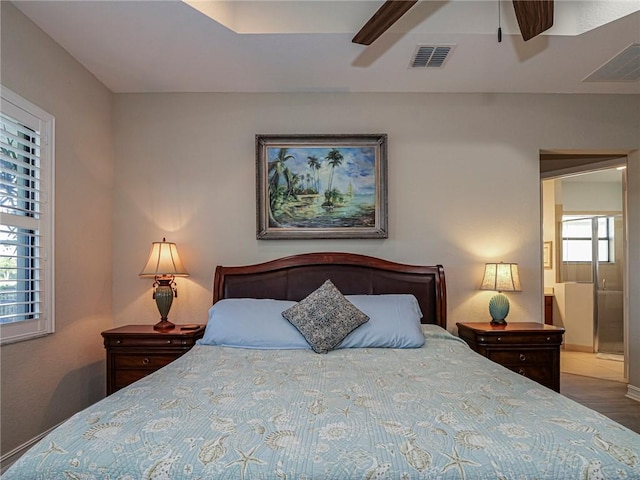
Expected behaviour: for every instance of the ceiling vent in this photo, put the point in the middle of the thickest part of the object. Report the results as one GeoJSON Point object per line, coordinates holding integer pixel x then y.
{"type": "Point", "coordinates": [624, 67]}
{"type": "Point", "coordinates": [430, 56]}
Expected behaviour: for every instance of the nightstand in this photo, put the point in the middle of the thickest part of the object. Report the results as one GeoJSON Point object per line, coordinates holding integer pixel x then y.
{"type": "Point", "coordinates": [530, 349]}
{"type": "Point", "coordinates": [135, 351]}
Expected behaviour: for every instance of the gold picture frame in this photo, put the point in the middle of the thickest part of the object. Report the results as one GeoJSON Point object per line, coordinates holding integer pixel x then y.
{"type": "Point", "coordinates": [547, 255]}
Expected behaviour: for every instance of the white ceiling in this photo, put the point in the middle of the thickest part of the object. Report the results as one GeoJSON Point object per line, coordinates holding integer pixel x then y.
{"type": "Point", "coordinates": [305, 45]}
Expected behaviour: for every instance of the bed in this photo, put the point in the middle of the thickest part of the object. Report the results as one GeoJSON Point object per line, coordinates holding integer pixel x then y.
{"type": "Point", "coordinates": [241, 405]}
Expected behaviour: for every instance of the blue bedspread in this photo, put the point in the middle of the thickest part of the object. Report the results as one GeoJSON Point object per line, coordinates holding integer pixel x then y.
{"type": "Point", "coordinates": [440, 411]}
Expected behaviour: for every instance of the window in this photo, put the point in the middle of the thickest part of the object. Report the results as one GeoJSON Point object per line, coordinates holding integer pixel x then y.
{"type": "Point", "coordinates": [26, 219]}
{"type": "Point", "coordinates": [577, 234]}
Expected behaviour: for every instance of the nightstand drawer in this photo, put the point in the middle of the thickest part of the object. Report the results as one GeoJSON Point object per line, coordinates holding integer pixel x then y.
{"type": "Point", "coordinates": [540, 373]}
{"type": "Point", "coordinates": [521, 357]}
{"type": "Point", "coordinates": [511, 338]}
{"type": "Point", "coordinates": [143, 361]}
{"type": "Point", "coordinates": [160, 341]}
{"type": "Point", "coordinates": [127, 377]}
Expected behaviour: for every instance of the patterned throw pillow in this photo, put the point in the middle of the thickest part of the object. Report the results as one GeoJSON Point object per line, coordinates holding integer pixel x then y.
{"type": "Point", "coordinates": [325, 317]}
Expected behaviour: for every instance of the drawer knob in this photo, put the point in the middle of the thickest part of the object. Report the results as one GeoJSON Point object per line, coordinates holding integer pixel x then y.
{"type": "Point", "coordinates": [145, 361]}
{"type": "Point", "coordinates": [118, 342]}
{"type": "Point", "coordinates": [499, 338]}
{"type": "Point", "coordinates": [548, 339]}
{"type": "Point", "coordinates": [521, 371]}
{"type": "Point", "coordinates": [168, 342]}
{"type": "Point", "coordinates": [522, 357]}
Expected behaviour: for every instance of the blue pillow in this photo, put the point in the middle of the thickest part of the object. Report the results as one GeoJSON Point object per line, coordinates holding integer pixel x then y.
{"type": "Point", "coordinates": [394, 322]}
{"type": "Point", "coordinates": [252, 323]}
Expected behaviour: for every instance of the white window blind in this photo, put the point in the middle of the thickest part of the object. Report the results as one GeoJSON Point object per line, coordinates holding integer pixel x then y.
{"type": "Point", "coordinates": [26, 219]}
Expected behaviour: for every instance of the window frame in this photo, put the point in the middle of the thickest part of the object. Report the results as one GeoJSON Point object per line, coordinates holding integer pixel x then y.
{"type": "Point", "coordinates": [608, 238]}
{"type": "Point", "coordinates": [33, 117]}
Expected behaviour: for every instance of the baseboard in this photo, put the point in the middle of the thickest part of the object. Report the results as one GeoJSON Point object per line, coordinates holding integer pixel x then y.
{"type": "Point", "coordinates": [11, 457]}
{"type": "Point", "coordinates": [633, 393]}
{"type": "Point", "coordinates": [577, 348]}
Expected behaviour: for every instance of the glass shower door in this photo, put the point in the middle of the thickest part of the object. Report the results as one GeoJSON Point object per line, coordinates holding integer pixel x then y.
{"type": "Point", "coordinates": [589, 255]}
{"type": "Point", "coordinates": [608, 287]}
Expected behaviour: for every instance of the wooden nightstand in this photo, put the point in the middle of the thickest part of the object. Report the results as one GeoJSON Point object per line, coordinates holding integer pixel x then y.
{"type": "Point", "coordinates": [530, 349]}
{"type": "Point", "coordinates": [135, 351]}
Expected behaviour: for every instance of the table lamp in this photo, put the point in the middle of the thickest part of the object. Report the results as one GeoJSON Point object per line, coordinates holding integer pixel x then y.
{"type": "Point", "coordinates": [164, 265]}
{"type": "Point", "coordinates": [501, 277]}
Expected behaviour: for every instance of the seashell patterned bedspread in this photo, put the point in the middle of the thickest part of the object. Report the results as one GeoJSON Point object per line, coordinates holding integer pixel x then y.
{"type": "Point", "coordinates": [440, 411]}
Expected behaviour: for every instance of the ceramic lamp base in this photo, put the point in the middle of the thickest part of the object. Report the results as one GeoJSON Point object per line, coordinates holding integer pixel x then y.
{"type": "Point", "coordinates": [499, 309]}
{"type": "Point", "coordinates": [164, 298]}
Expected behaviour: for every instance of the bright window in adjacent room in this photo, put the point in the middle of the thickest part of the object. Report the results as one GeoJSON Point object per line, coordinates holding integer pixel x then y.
{"type": "Point", "coordinates": [26, 219]}
{"type": "Point", "coordinates": [577, 234]}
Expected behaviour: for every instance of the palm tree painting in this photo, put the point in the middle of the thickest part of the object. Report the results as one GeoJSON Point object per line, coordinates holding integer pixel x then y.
{"type": "Point", "coordinates": [321, 186]}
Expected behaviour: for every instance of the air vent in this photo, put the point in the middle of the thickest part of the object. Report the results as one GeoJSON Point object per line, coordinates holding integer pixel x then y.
{"type": "Point", "coordinates": [624, 67]}
{"type": "Point", "coordinates": [430, 56]}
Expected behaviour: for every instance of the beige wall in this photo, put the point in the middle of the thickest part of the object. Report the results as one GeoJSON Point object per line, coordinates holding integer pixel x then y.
{"type": "Point", "coordinates": [46, 380]}
{"type": "Point", "coordinates": [463, 189]}
{"type": "Point", "coordinates": [464, 184]}
{"type": "Point", "coordinates": [632, 298]}
{"type": "Point", "coordinates": [577, 317]}
{"type": "Point", "coordinates": [549, 229]}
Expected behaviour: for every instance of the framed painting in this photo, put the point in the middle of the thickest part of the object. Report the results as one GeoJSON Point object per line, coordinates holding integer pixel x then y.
{"type": "Point", "coordinates": [547, 258]}
{"type": "Point", "coordinates": [321, 186]}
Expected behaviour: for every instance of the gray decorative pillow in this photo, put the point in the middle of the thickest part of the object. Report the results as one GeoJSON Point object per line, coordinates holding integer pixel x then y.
{"type": "Point", "coordinates": [325, 317]}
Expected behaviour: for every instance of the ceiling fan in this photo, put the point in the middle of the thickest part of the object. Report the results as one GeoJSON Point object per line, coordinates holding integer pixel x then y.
{"type": "Point", "coordinates": [534, 17]}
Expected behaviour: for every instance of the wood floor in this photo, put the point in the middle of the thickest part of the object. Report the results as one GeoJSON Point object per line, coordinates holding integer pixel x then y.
{"type": "Point", "coordinates": [604, 396]}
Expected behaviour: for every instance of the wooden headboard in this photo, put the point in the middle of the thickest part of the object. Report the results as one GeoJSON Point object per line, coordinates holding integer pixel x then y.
{"type": "Point", "coordinates": [295, 277]}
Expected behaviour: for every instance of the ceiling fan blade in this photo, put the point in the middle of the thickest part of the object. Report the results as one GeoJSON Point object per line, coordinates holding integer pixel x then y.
{"type": "Point", "coordinates": [387, 15]}
{"type": "Point", "coordinates": [534, 16]}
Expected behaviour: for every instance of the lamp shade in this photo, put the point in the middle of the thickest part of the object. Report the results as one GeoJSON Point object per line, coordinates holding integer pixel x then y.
{"type": "Point", "coordinates": [502, 277]}
{"type": "Point", "coordinates": [164, 260]}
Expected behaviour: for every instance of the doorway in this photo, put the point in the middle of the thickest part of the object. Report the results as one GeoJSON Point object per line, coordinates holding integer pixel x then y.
{"type": "Point", "coordinates": [584, 222]}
